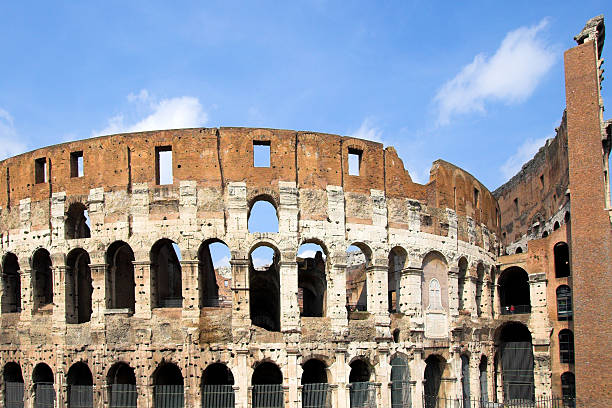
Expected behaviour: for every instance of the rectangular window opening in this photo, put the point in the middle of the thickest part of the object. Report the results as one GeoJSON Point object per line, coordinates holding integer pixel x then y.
{"type": "Point", "coordinates": [354, 161]}
{"type": "Point", "coordinates": [76, 164]}
{"type": "Point", "coordinates": [40, 170]}
{"type": "Point", "coordinates": [261, 153]}
{"type": "Point", "coordinates": [542, 181]}
{"type": "Point", "coordinates": [516, 206]}
{"type": "Point", "coordinates": [476, 198]}
{"type": "Point", "coordinates": [163, 165]}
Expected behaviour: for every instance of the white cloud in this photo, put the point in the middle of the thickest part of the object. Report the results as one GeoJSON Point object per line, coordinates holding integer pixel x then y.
{"type": "Point", "coordinates": [261, 262]}
{"type": "Point", "coordinates": [10, 144]}
{"type": "Point", "coordinates": [221, 262]}
{"type": "Point", "coordinates": [523, 154]}
{"type": "Point", "coordinates": [510, 75]}
{"type": "Point", "coordinates": [368, 131]}
{"type": "Point", "coordinates": [171, 113]}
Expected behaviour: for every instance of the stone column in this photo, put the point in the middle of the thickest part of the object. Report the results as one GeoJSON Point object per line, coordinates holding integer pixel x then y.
{"type": "Point", "coordinates": [242, 379]}
{"type": "Point", "coordinates": [292, 378]}
{"type": "Point", "coordinates": [241, 320]}
{"type": "Point", "coordinates": [383, 376]}
{"type": "Point", "coordinates": [378, 302]}
{"type": "Point", "coordinates": [336, 293]}
{"type": "Point", "coordinates": [142, 279]}
{"type": "Point", "coordinates": [27, 294]}
{"type": "Point", "coordinates": [59, 296]}
{"type": "Point", "coordinates": [495, 307]}
{"type": "Point", "coordinates": [289, 308]}
{"type": "Point", "coordinates": [453, 289]}
{"type": "Point", "coordinates": [411, 286]}
{"type": "Point", "coordinates": [341, 376]}
{"type": "Point", "coordinates": [191, 292]}
{"type": "Point", "coordinates": [417, 372]}
{"type": "Point", "coordinates": [98, 296]}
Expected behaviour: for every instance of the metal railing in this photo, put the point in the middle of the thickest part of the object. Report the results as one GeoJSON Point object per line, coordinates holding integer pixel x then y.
{"type": "Point", "coordinates": [554, 402]}
{"type": "Point", "coordinates": [363, 395]}
{"type": "Point", "coordinates": [400, 394]}
{"type": "Point", "coordinates": [80, 396]}
{"type": "Point", "coordinates": [13, 394]}
{"type": "Point", "coordinates": [316, 396]}
{"type": "Point", "coordinates": [44, 395]}
{"type": "Point", "coordinates": [169, 396]}
{"type": "Point", "coordinates": [218, 396]}
{"type": "Point", "coordinates": [171, 302]}
{"type": "Point", "coordinates": [268, 396]}
{"type": "Point", "coordinates": [123, 396]}
{"type": "Point", "coordinates": [516, 309]}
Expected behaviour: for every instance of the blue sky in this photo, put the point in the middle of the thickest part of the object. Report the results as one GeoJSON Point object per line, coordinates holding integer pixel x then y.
{"type": "Point", "coordinates": [479, 84]}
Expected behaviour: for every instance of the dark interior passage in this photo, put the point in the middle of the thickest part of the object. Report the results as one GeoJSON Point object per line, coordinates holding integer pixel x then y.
{"type": "Point", "coordinates": [11, 284]}
{"type": "Point", "coordinates": [514, 294]}
{"type": "Point", "coordinates": [166, 275]}
{"type": "Point", "coordinates": [80, 386]}
{"type": "Point", "coordinates": [168, 389]}
{"type": "Point", "coordinates": [78, 287]}
{"type": "Point", "coordinates": [312, 284]}
{"type": "Point", "coordinates": [517, 362]}
{"type": "Point", "coordinates": [122, 386]}
{"type": "Point", "coordinates": [120, 285]}
{"type": "Point", "coordinates": [42, 280]}
{"type": "Point", "coordinates": [75, 225]}
{"type": "Point", "coordinates": [264, 290]}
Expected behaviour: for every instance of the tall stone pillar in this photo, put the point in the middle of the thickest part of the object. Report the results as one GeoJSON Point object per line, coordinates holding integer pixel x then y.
{"type": "Point", "coordinates": [242, 379]}
{"type": "Point", "coordinates": [378, 303]}
{"type": "Point", "coordinates": [383, 376]}
{"type": "Point", "coordinates": [470, 290]}
{"type": "Point", "coordinates": [289, 308]}
{"type": "Point", "coordinates": [142, 279]}
{"type": "Point", "coordinates": [59, 296]}
{"type": "Point", "coordinates": [98, 296]}
{"type": "Point", "coordinates": [191, 292]}
{"type": "Point", "coordinates": [453, 289]}
{"type": "Point", "coordinates": [27, 294]}
{"type": "Point", "coordinates": [241, 320]}
{"type": "Point", "coordinates": [411, 287]}
{"type": "Point", "coordinates": [336, 293]}
{"type": "Point", "coordinates": [293, 378]}
{"type": "Point", "coordinates": [417, 372]}
{"type": "Point", "coordinates": [341, 376]}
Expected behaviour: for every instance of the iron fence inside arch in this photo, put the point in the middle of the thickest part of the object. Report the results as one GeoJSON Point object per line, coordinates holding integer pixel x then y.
{"type": "Point", "coordinates": [316, 395]}
{"type": "Point", "coordinates": [123, 396]}
{"type": "Point", "coordinates": [218, 396]}
{"type": "Point", "coordinates": [13, 397]}
{"type": "Point", "coordinates": [80, 396]}
{"type": "Point", "coordinates": [554, 402]}
{"type": "Point", "coordinates": [44, 395]}
{"type": "Point", "coordinates": [400, 394]}
{"type": "Point", "coordinates": [363, 395]}
{"type": "Point", "coordinates": [268, 396]}
{"type": "Point", "coordinates": [169, 396]}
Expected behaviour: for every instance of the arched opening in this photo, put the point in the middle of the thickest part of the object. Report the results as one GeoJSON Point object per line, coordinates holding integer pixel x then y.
{"type": "Point", "coordinates": [217, 387]}
{"type": "Point", "coordinates": [13, 385]}
{"type": "Point", "coordinates": [214, 274]}
{"type": "Point", "coordinates": [42, 282]}
{"type": "Point", "coordinates": [262, 216]}
{"type": "Point", "coordinates": [564, 303]}
{"type": "Point", "coordinates": [312, 280]}
{"type": "Point", "coordinates": [568, 387]}
{"type": "Point", "coordinates": [397, 263]}
{"type": "Point", "coordinates": [462, 292]}
{"type": "Point", "coordinates": [267, 382]}
{"type": "Point", "coordinates": [480, 280]}
{"type": "Point", "coordinates": [315, 389]}
{"type": "Point", "coordinates": [44, 393]}
{"type": "Point", "coordinates": [121, 382]}
{"type": "Point", "coordinates": [433, 392]}
{"type": "Point", "coordinates": [516, 362]}
{"type": "Point", "coordinates": [168, 387]}
{"type": "Point", "coordinates": [562, 267]}
{"type": "Point", "coordinates": [566, 218]}
{"type": "Point", "coordinates": [396, 335]}
{"type": "Point", "coordinates": [544, 234]}
{"type": "Point", "coordinates": [363, 392]}
{"type": "Point", "coordinates": [80, 386]}
{"type": "Point", "coordinates": [264, 287]}
{"type": "Point", "coordinates": [519, 250]}
{"type": "Point", "coordinates": [566, 346]}
{"type": "Point", "coordinates": [11, 284]}
{"type": "Point", "coordinates": [78, 287]}
{"type": "Point", "coordinates": [77, 222]}
{"type": "Point", "coordinates": [556, 226]}
{"type": "Point", "coordinates": [357, 261]}
{"type": "Point", "coordinates": [482, 379]}
{"type": "Point", "coordinates": [400, 383]}
{"type": "Point", "coordinates": [166, 275]}
{"type": "Point", "coordinates": [465, 380]}
{"type": "Point", "coordinates": [514, 297]}
{"type": "Point", "coordinates": [435, 277]}
{"type": "Point", "coordinates": [120, 285]}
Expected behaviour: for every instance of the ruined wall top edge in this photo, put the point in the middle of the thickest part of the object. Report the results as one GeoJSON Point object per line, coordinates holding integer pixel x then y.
{"type": "Point", "coordinates": [215, 157]}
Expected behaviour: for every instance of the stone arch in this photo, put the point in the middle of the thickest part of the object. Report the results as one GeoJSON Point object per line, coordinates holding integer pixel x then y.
{"type": "Point", "coordinates": [462, 288]}
{"type": "Point", "coordinates": [13, 385]}
{"type": "Point", "coordinates": [465, 379]}
{"type": "Point", "coordinates": [267, 380]}
{"type": "Point", "coordinates": [42, 380]}
{"type": "Point", "coordinates": [11, 284]}
{"type": "Point", "coordinates": [209, 276]}
{"type": "Point", "coordinates": [120, 283]}
{"type": "Point", "coordinates": [168, 388]}
{"type": "Point", "coordinates": [514, 292]}
{"type": "Point", "coordinates": [264, 290]}
{"type": "Point", "coordinates": [435, 267]}
{"type": "Point", "coordinates": [480, 285]}
{"type": "Point", "coordinates": [482, 378]}
{"type": "Point", "coordinates": [562, 259]}
{"type": "Point", "coordinates": [436, 369]}
{"type": "Point", "coordinates": [262, 205]}
{"type": "Point", "coordinates": [217, 386]}
{"type": "Point", "coordinates": [80, 385]}
{"type": "Point", "coordinates": [564, 303]}
{"type": "Point", "coordinates": [398, 262]}
{"type": "Point", "coordinates": [356, 276]}
{"type": "Point", "coordinates": [166, 275]}
{"type": "Point", "coordinates": [79, 287]}
{"type": "Point", "coordinates": [566, 346]}
{"type": "Point", "coordinates": [312, 281]}
{"type": "Point", "coordinates": [514, 344]}
{"type": "Point", "coordinates": [75, 224]}
{"type": "Point", "coordinates": [121, 382]}
{"type": "Point", "coordinates": [42, 281]}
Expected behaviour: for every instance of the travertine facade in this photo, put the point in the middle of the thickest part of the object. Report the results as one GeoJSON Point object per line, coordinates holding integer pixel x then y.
{"type": "Point", "coordinates": [110, 297]}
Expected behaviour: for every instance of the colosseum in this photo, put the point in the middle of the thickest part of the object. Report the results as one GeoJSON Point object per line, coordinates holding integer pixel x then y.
{"type": "Point", "coordinates": [435, 295]}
